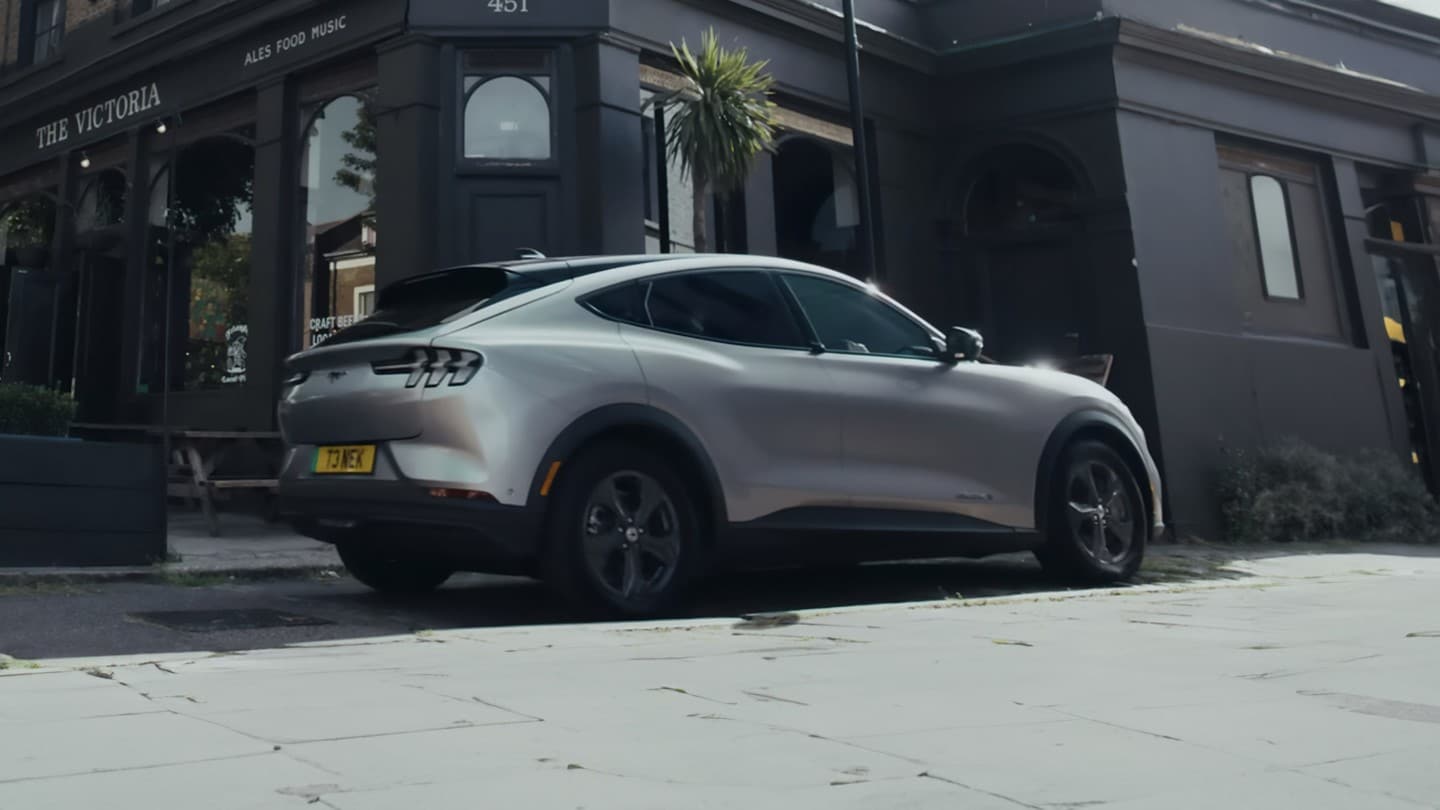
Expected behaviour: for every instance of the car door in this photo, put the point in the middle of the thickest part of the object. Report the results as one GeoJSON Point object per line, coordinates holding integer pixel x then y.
{"type": "Point", "coordinates": [920, 434]}
{"type": "Point", "coordinates": [723, 351]}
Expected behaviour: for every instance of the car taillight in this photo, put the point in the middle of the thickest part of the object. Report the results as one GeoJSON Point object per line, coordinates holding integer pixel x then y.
{"type": "Point", "coordinates": [433, 367]}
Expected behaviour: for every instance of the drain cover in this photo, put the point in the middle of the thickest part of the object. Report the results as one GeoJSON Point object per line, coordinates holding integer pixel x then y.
{"type": "Point", "coordinates": [210, 621]}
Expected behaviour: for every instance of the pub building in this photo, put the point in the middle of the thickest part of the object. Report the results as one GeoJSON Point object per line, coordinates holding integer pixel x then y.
{"type": "Point", "coordinates": [1230, 200]}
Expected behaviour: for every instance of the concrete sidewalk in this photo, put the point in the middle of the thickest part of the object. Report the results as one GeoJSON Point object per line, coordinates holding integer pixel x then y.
{"type": "Point", "coordinates": [249, 548]}
{"type": "Point", "coordinates": [1308, 682]}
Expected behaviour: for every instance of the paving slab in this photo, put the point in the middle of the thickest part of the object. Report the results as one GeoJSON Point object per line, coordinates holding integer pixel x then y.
{"type": "Point", "coordinates": [1308, 683]}
{"type": "Point", "coordinates": [265, 781]}
{"type": "Point", "coordinates": [153, 738]}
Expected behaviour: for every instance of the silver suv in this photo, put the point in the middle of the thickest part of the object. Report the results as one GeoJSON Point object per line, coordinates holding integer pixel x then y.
{"type": "Point", "coordinates": [619, 426]}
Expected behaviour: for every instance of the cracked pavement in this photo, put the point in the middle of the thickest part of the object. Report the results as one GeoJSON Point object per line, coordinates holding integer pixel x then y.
{"type": "Point", "coordinates": [1308, 680]}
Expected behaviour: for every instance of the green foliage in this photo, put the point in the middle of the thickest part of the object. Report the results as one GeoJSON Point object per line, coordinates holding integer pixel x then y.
{"type": "Point", "coordinates": [28, 410]}
{"type": "Point", "coordinates": [720, 121]}
{"type": "Point", "coordinates": [28, 223]}
{"type": "Point", "coordinates": [213, 189]}
{"type": "Point", "coordinates": [357, 167]}
{"type": "Point", "coordinates": [1293, 492]}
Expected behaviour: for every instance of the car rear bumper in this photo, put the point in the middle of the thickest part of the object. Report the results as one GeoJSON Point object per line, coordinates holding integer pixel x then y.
{"type": "Point", "coordinates": [473, 535]}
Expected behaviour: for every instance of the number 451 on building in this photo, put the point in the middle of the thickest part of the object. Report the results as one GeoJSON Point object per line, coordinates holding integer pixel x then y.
{"type": "Point", "coordinates": [510, 6]}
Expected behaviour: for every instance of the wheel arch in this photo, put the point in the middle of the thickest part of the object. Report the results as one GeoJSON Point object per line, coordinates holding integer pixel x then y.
{"type": "Point", "coordinates": [1079, 426]}
{"type": "Point", "coordinates": [645, 425]}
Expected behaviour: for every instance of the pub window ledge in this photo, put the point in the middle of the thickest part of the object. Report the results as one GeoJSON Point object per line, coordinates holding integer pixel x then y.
{"type": "Point", "coordinates": [14, 73]}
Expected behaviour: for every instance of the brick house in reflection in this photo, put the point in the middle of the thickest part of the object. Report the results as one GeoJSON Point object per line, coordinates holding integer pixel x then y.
{"type": "Point", "coordinates": [342, 279]}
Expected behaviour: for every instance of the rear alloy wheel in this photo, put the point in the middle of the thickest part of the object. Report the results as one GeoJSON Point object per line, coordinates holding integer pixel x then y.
{"type": "Point", "coordinates": [1097, 528]}
{"type": "Point", "coordinates": [388, 572]}
{"type": "Point", "coordinates": [624, 535]}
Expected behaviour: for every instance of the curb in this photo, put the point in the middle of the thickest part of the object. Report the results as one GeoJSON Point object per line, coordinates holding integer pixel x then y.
{"type": "Point", "coordinates": [163, 575]}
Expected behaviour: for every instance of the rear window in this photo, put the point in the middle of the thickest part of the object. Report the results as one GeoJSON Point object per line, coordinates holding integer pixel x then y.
{"type": "Point", "coordinates": [431, 300]}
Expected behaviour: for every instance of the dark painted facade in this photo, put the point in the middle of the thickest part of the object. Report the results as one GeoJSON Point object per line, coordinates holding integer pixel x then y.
{"type": "Point", "coordinates": [1228, 196]}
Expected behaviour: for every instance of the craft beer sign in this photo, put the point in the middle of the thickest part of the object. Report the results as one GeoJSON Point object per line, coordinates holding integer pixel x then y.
{"type": "Point", "coordinates": [100, 116]}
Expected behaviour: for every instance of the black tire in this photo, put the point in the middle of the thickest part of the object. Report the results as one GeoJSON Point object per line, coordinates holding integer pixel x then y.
{"type": "Point", "coordinates": [1096, 524]}
{"type": "Point", "coordinates": [390, 572]}
{"type": "Point", "coordinates": [597, 543]}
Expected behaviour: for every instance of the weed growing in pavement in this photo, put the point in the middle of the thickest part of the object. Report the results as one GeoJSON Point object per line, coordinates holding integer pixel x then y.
{"type": "Point", "coordinates": [11, 662]}
{"type": "Point", "coordinates": [190, 579]}
{"type": "Point", "coordinates": [41, 587]}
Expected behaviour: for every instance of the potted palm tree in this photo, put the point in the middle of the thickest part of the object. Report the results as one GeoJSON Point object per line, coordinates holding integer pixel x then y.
{"type": "Point", "coordinates": [720, 120]}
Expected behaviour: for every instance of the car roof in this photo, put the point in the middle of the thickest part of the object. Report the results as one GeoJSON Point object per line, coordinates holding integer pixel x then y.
{"type": "Point", "coordinates": [551, 270]}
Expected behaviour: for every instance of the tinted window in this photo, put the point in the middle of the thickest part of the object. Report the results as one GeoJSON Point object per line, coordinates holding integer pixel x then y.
{"type": "Point", "coordinates": [427, 301]}
{"type": "Point", "coordinates": [739, 307]}
{"type": "Point", "coordinates": [850, 320]}
{"type": "Point", "coordinates": [625, 303]}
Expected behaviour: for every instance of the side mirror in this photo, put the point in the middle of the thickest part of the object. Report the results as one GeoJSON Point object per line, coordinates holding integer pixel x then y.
{"type": "Point", "coordinates": [963, 345]}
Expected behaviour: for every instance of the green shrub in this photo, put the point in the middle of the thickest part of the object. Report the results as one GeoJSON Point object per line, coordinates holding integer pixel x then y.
{"type": "Point", "coordinates": [1293, 492]}
{"type": "Point", "coordinates": [29, 410]}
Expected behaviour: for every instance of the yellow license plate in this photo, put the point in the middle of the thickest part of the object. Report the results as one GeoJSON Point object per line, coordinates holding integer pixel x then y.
{"type": "Point", "coordinates": [349, 460]}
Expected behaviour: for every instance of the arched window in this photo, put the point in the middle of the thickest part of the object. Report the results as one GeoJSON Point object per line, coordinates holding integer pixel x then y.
{"type": "Point", "coordinates": [337, 282]}
{"type": "Point", "coordinates": [102, 203]}
{"type": "Point", "coordinates": [205, 295]}
{"type": "Point", "coordinates": [27, 228]}
{"type": "Point", "coordinates": [508, 107]}
{"type": "Point", "coordinates": [1279, 271]}
{"type": "Point", "coordinates": [1018, 188]}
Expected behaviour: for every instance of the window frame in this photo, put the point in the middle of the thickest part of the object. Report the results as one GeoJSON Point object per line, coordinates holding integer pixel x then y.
{"type": "Point", "coordinates": [935, 336]}
{"type": "Point", "coordinates": [360, 292]}
{"type": "Point", "coordinates": [802, 326]}
{"type": "Point", "coordinates": [1295, 269]}
{"type": "Point", "coordinates": [168, 159]}
{"type": "Point", "coordinates": [530, 76]}
{"type": "Point", "coordinates": [315, 100]}
{"type": "Point", "coordinates": [140, 8]}
{"type": "Point", "coordinates": [29, 34]}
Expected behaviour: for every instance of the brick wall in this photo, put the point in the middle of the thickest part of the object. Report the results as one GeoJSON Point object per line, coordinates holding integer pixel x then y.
{"type": "Point", "coordinates": [9, 30]}
{"type": "Point", "coordinates": [80, 11]}
{"type": "Point", "coordinates": [77, 12]}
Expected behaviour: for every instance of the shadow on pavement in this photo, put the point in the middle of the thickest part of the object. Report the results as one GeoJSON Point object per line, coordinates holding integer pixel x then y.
{"type": "Point", "coordinates": [222, 615]}
{"type": "Point", "coordinates": [472, 601]}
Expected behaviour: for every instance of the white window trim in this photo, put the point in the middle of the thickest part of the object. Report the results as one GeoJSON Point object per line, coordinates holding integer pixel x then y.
{"type": "Point", "coordinates": [352, 264]}
{"type": "Point", "coordinates": [359, 291]}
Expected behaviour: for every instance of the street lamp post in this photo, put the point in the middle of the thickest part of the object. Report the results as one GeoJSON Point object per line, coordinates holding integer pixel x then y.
{"type": "Point", "coordinates": [861, 144]}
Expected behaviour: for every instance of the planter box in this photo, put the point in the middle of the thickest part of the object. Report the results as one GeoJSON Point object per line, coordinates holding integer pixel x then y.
{"type": "Point", "coordinates": [32, 258]}
{"type": "Point", "coordinates": [65, 502]}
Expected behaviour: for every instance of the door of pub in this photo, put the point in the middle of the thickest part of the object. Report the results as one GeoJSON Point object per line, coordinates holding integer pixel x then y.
{"type": "Point", "coordinates": [30, 312]}
{"type": "Point", "coordinates": [1409, 282]}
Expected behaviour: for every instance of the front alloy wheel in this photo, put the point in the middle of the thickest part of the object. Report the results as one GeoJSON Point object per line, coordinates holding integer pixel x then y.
{"type": "Point", "coordinates": [1101, 515]}
{"type": "Point", "coordinates": [1097, 528]}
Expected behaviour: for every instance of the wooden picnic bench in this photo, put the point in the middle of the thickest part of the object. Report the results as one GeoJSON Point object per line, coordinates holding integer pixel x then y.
{"type": "Point", "coordinates": [196, 455]}
{"type": "Point", "coordinates": [1093, 367]}
{"type": "Point", "coordinates": [1096, 368]}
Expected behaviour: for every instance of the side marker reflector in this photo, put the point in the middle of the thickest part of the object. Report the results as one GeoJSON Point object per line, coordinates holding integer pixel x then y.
{"type": "Point", "coordinates": [549, 480]}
